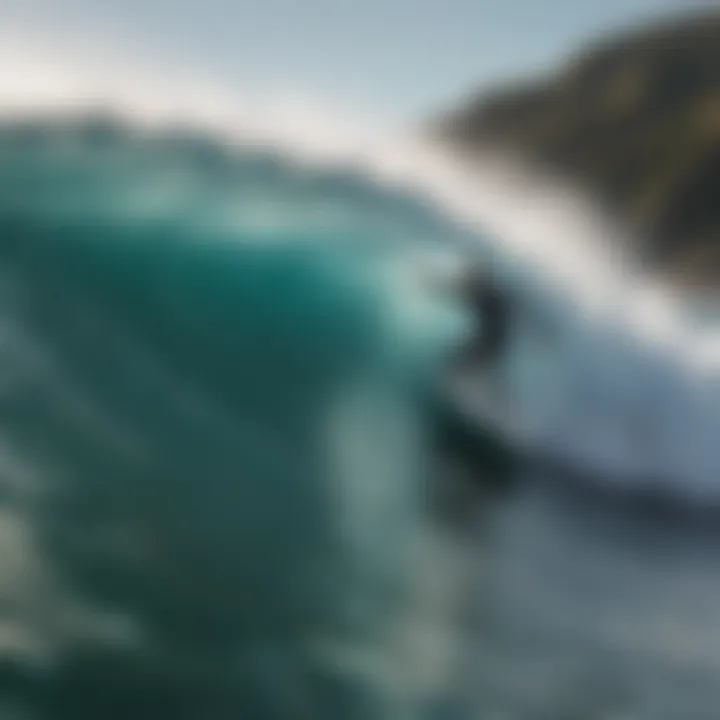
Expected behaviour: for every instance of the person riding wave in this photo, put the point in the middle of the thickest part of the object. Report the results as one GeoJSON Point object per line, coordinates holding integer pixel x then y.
{"type": "Point", "coordinates": [491, 313]}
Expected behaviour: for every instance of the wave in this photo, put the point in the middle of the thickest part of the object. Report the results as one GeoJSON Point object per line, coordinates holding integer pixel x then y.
{"type": "Point", "coordinates": [212, 416]}
{"type": "Point", "coordinates": [614, 326]}
{"type": "Point", "coordinates": [216, 336]}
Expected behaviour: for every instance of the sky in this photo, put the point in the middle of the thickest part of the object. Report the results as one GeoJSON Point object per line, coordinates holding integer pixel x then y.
{"type": "Point", "coordinates": [391, 61]}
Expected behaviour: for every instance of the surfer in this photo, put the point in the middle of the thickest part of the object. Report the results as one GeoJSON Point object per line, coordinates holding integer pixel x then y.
{"type": "Point", "coordinates": [491, 312]}
{"type": "Point", "coordinates": [475, 403]}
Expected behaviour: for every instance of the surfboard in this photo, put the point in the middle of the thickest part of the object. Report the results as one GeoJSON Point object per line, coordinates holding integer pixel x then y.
{"type": "Point", "coordinates": [475, 419]}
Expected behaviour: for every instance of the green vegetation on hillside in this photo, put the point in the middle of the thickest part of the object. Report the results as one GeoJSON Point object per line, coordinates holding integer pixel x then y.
{"type": "Point", "coordinates": [636, 120]}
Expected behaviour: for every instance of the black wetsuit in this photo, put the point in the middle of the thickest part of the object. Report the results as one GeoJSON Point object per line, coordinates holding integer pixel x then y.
{"type": "Point", "coordinates": [490, 308]}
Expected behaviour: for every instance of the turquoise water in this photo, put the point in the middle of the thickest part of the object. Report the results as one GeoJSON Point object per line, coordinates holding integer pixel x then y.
{"type": "Point", "coordinates": [217, 459]}
{"type": "Point", "coordinates": [216, 445]}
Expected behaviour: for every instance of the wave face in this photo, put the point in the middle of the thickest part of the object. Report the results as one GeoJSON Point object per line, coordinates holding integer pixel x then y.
{"type": "Point", "coordinates": [213, 447]}
{"type": "Point", "coordinates": [214, 442]}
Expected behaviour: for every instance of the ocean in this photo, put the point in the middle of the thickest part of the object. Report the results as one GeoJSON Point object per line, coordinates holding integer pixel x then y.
{"type": "Point", "coordinates": [218, 457]}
